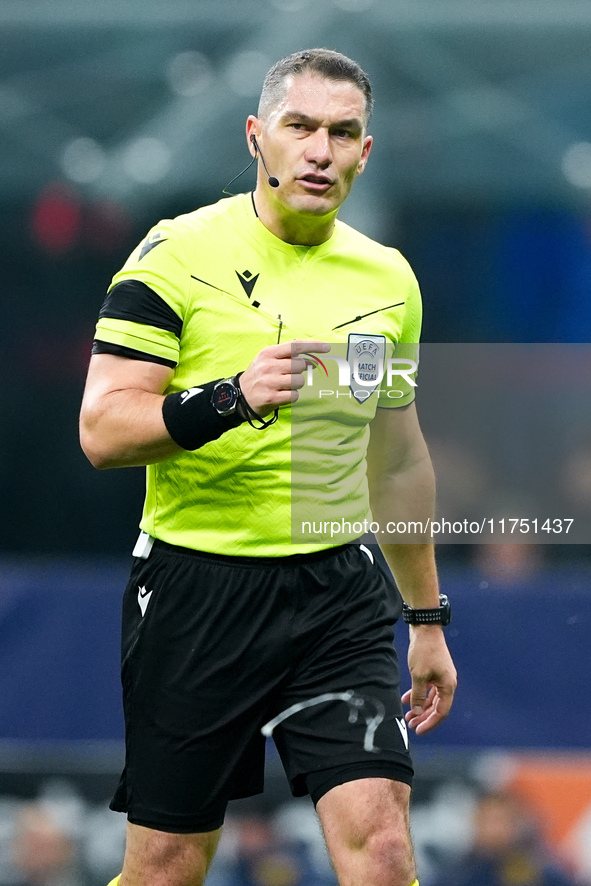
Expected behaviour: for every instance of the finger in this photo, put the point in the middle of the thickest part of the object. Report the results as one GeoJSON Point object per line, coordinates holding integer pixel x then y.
{"type": "Point", "coordinates": [298, 364]}
{"type": "Point", "coordinates": [294, 365]}
{"type": "Point", "coordinates": [432, 719]}
{"type": "Point", "coordinates": [436, 709]}
{"type": "Point", "coordinates": [417, 712]}
{"type": "Point", "coordinates": [297, 382]}
{"type": "Point", "coordinates": [289, 366]}
{"type": "Point", "coordinates": [310, 347]}
{"type": "Point", "coordinates": [418, 695]}
{"type": "Point", "coordinates": [442, 703]}
{"type": "Point", "coordinates": [289, 382]}
{"type": "Point", "coordinates": [297, 347]}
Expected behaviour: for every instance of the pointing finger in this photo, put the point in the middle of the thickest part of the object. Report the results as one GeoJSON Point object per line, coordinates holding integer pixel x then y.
{"type": "Point", "coordinates": [301, 347]}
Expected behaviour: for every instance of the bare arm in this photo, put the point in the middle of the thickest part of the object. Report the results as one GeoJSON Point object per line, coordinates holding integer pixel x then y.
{"type": "Point", "coordinates": [121, 423]}
{"type": "Point", "coordinates": [402, 488]}
{"type": "Point", "coordinates": [121, 420]}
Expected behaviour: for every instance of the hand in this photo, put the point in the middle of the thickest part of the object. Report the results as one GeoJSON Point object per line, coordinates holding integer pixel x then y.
{"type": "Point", "coordinates": [434, 678]}
{"type": "Point", "coordinates": [277, 373]}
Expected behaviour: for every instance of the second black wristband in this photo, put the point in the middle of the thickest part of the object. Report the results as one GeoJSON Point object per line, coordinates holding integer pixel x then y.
{"type": "Point", "coordinates": [192, 421]}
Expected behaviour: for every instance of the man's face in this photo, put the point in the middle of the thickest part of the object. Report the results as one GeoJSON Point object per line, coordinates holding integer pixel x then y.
{"type": "Point", "coordinates": [314, 142]}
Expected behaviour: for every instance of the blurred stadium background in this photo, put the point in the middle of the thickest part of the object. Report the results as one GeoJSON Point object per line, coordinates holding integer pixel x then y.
{"type": "Point", "coordinates": [113, 115]}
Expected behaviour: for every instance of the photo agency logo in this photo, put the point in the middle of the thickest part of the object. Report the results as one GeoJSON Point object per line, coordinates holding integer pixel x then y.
{"type": "Point", "coordinates": [364, 369]}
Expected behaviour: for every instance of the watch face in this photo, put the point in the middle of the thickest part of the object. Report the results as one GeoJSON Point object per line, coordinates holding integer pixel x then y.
{"type": "Point", "coordinates": [225, 397]}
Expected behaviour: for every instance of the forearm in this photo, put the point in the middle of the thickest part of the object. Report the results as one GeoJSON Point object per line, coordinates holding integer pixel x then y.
{"type": "Point", "coordinates": [408, 497]}
{"type": "Point", "coordinates": [125, 429]}
{"type": "Point", "coordinates": [122, 422]}
{"type": "Point", "coordinates": [402, 490]}
{"type": "Point", "coordinates": [413, 567]}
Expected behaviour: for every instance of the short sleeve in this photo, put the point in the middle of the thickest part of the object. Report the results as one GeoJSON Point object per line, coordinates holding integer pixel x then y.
{"type": "Point", "coordinates": [142, 315]}
{"type": "Point", "coordinates": [399, 384]}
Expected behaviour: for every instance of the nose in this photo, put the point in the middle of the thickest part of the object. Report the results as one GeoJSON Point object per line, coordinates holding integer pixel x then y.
{"type": "Point", "coordinates": [318, 149]}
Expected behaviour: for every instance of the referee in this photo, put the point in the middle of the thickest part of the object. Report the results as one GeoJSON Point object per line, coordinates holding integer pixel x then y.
{"type": "Point", "coordinates": [233, 628]}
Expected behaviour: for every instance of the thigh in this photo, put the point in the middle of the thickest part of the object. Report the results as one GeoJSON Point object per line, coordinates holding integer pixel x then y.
{"type": "Point", "coordinates": [341, 716]}
{"type": "Point", "coordinates": [351, 811]}
{"type": "Point", "coordinates": [200, 659]}
{"type": "Point", "coordinates": [366, 827]}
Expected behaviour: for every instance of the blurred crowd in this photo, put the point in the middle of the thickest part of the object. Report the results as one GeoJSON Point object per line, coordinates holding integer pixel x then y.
{"type": "Point", "coordinates": [463, 838]}
{"type": "Point", "coordinates": [506, 849]}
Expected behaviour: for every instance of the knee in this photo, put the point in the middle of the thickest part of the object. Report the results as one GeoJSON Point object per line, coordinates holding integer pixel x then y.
{"type": "Point", "coordinates": [389, 850]}
{"type": "Point", "coordinates": [366, 825]}
{"type": "Point", "coordinates": [382, 856]}
{"type": "Point", "coordinates": [164, 868]}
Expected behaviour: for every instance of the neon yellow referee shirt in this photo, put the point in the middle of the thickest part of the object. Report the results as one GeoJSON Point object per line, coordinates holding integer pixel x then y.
{"type": "Point", "coordinates": [203, 294]}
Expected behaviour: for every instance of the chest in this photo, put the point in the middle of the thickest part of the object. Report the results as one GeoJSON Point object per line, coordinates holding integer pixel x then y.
{"type": "Point", "coordinates": [272, 297]}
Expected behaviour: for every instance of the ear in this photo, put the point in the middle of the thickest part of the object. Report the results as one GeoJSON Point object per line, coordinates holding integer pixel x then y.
{"type": "Point", "coordinates": [367, 143]}
{"type": "Point", "coordinates": [253, 132]}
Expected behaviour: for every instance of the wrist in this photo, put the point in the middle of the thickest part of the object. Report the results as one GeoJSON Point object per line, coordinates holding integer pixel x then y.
{"type": "Point", "coordinates": [201, 414]}
{"type": "Point", "coordinates": [435, 615]}
{"type": "Point", "coordinates": [425, 630]}
{"type": "Point", "coordinates": [249, 414]}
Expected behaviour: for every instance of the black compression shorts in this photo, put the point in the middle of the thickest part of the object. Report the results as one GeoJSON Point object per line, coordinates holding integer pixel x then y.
{"type": "Point", "coordinates": [216, 648]}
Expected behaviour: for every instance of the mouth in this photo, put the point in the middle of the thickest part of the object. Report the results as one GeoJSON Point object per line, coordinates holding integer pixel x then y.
{"type": "Point", "coordinates": [316, 182]}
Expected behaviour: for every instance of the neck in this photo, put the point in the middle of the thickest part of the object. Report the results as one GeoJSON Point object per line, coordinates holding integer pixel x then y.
{"type": "Point", "coordinates": [294, 228]}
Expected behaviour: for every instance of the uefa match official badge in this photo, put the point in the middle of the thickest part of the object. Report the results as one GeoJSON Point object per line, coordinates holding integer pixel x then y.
{"type": "Point", "coordinates": [366, 356]}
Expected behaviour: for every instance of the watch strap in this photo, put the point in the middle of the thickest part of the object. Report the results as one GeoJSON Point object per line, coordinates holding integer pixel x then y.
{"type": "Point", "coordinates": [437, 615]}
{"type": "Point", "coordinates": [248, 412]}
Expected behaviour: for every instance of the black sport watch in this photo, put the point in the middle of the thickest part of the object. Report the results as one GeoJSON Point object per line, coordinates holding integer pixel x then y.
{"type": "Point", "coordinates": [439, 615]}
{"type": "Point", "coordinates": [225, 397]}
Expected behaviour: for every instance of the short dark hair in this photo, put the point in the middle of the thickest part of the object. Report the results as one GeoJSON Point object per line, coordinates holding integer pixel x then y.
{"type": "Point", "coordinates": [325, 62]}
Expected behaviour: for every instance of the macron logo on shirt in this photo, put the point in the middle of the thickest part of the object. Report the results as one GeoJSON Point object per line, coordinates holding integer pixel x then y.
{"type": "Point", "coordinates": [151, 242]}
{"type": "Point", "coordinates": [186, 395]}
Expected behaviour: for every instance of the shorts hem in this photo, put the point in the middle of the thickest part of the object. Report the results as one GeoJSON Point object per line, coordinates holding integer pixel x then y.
{"type": "Point", "coordinates": [319, 783]}
{"type": "Point", "coordinates": [192, 828]}
{"type": "Point", "coordinates": [188, 826]}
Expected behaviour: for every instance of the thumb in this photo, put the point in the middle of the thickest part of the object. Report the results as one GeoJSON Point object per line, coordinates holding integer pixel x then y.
{"type": "Point", "coordinates": [418, 695]}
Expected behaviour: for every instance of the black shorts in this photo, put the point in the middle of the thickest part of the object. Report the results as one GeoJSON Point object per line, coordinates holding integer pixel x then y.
{"type": "Point", "coordinates": [216, 648]}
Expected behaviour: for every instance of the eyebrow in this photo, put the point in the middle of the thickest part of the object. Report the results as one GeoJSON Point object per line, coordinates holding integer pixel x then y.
{"type": "Point", "coordinates": [354, 123]}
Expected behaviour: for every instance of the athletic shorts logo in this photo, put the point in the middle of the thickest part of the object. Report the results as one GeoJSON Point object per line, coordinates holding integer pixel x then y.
{"type": "Point", "coordinates": [403, 730]}
{"type": "Point", "coordinates": [143, 599]}
{"type": "Point", "coordinates": [367, 553]}
{"type": "Point", "coordinates": [365, 356]}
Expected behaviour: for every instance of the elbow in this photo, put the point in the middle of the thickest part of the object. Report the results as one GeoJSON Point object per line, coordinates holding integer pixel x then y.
{"type": "Point", "coordinates": [93, 448]}
{"type": "Point", "coordinates": [101, 463]}
{"type": "Point", "coordinates": [95, 455]}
